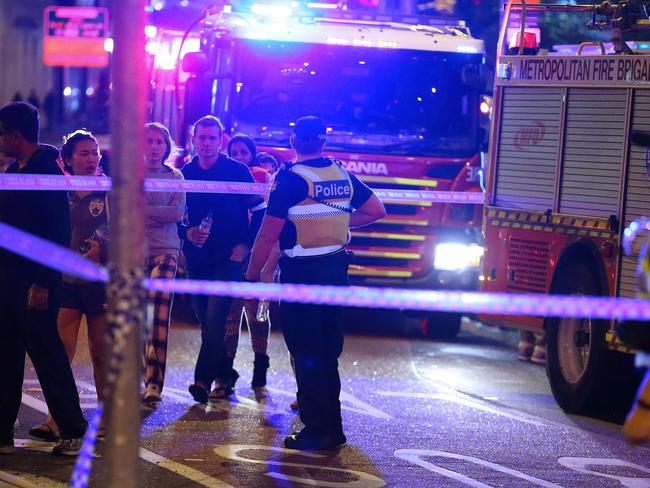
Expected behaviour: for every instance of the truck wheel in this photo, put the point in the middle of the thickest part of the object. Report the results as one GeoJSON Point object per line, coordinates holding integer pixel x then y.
{"type": "Point", "coordinates": [441, 325]}
{"type": "Point", "coordinates": [579, 366]}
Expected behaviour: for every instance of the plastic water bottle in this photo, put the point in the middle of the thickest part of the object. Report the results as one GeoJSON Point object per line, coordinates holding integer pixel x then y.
{"type": "Point", "coordinates": [262, 314]}
{"type": "Point", "coordinates": [100, 235]}
{"type": "Point", "coordinates": [205, 225]}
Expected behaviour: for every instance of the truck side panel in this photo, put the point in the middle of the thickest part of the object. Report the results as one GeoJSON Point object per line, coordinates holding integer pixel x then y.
{"type": "Point", "coordinates": [637, 198]}
{"type": "Point", "coordinates": [528, 145]}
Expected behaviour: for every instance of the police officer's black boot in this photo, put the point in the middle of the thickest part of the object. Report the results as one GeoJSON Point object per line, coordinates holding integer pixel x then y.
{"type": "Point", "coordinates": [259, 370]}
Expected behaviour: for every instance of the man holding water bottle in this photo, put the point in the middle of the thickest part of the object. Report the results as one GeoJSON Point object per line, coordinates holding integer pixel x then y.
{"type": "Point", "coordinates": [217, 241]}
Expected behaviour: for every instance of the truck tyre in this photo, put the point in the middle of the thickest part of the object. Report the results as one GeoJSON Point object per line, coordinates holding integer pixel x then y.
{"type": "Point", "coordinates": [442, 325]}
{"type": "Point", "coordinates": [579, 366]}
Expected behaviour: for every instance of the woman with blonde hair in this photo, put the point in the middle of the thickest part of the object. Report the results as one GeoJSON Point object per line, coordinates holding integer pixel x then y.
{"type": "Point", "coordinates": [162, 212]}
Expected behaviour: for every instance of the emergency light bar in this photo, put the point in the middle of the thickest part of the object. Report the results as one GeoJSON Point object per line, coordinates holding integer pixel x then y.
{"type": "Point", "coordinates": [317, 10]}
{"type": "Point", "coordinates": [344, 29]}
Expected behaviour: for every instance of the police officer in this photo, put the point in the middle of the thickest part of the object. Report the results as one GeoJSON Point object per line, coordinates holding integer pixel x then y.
{"type": "Point", "coordinates": [312, 205]}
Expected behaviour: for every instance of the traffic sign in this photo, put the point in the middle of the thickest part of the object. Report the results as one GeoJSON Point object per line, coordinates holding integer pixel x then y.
{"type": "Point", "coordinates": [75, 36]}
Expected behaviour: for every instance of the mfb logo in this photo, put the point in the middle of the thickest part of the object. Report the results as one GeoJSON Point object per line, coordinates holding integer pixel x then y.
{"type": "Point", "coordinates": [366, 168]}
{"type": "Point", "coordinates": [530, 136]}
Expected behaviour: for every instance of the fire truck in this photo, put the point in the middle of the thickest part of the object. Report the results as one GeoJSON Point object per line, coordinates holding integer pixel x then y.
{"type": "Point", "coordinates": [405, 103]}
{"type": "Point", "coordinates": [564, 179]}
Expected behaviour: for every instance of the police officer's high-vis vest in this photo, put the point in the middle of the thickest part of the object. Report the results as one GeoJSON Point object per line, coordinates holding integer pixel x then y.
{"type": "Point", "coordinates": [322, 219]}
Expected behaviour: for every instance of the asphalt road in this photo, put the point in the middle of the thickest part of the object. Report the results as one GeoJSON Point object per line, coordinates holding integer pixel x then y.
{"type": "Point", "coordinates": [416, 413]}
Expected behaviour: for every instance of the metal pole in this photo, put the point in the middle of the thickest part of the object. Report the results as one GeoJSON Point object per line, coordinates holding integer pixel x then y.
{"type": "Point", "coordinates": [125, 292]}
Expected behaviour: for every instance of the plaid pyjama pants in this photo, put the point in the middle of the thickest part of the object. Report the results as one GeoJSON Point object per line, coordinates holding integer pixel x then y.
{"type": "Point", "coordinates": [242, 310]}
{"type": "Point", "coordinates": [163, 267]}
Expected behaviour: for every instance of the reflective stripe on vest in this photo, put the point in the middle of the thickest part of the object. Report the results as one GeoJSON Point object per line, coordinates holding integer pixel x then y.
{"type": "Point", "coordinates": [321, 228]}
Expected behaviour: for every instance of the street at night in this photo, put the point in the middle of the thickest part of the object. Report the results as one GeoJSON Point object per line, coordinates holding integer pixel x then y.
{"type": "Point", "coordinates": [416, 413]}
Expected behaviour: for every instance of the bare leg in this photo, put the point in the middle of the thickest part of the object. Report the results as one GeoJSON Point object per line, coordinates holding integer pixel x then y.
{"type": "Point", "coordinates": [97, 332]}
{"type": "Point", "coordinates": [637, 425]}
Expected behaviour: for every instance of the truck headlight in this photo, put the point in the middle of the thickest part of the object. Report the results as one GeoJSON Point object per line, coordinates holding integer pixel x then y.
{"type": "Point", "coordinates": [454, 256]}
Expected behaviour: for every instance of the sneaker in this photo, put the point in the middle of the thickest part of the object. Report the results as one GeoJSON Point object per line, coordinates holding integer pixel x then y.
{"type": "Point", "coordinates": [525, 351]}
{"type": "Point", "coordinates": [199, 393]}
{"type": "Point", "coordinates": [539, 355]}
{"type": "Point", "coordinates": [68, 447]}
{"type": "Point", "coordinates": [220, 392]}
{"type": "Point", "coordinates": [152, 393]}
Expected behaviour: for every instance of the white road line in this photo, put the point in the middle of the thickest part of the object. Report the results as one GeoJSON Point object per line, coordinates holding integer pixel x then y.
{"type": "Point", "coordinates": [358, 405]}
{"type": "Point", "coordinates": [26, 480]}
{"type": "Point", "coordinates": [182, 470]}
{"type": "Point", "coordinates": [467, 402]}
{"type": "Point", "coordinates": [236, 401]}
{"type": "Point", "coordinates": [149, 456]}
{"type": "Point", "coordinates": [542, 421]}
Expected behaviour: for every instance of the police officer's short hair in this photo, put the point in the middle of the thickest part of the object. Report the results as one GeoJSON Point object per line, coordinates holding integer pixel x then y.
{"type": "Point", "coordinates": [309, 135]}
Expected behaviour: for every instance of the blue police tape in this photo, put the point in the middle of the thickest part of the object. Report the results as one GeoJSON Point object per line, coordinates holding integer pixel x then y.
{"type": "Point", "coordinates": [45, 252]}
{"type": "Point", "coordinates": [71, 263]}
{"type": "Point", "coordinates": [102, 183]}
{"type": "Point", "coordinates": [81, 472]}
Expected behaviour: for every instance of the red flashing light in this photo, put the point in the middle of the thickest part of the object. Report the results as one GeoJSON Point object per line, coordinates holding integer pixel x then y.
{"type": "Point", "coordinates": [530, 42]}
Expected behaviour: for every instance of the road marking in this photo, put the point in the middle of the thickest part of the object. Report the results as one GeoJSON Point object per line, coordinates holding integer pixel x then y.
{"type": "Point", "coordinates": [543, 421]}
{"type": "Point", "coordinates": [34, 445]}
{"type": "Point", "coordinates": [364, 480]}
{"type": "Point", "coordinates": [149, 456]}
{"type": "Point", "coordinates": [581, 464]}
{"type": "Point", "coordinates": [182, 470]}
{"type": "Point", "coordinates": [27, 480]}
{"type": "Point", "coordinates": [232, 401]}
{"type": "Point", "coordinates": [414, 456]}
{"type": "Point", "coordinates": [359, 406]}
{"type": "Point", "coordinates": [467, 402]}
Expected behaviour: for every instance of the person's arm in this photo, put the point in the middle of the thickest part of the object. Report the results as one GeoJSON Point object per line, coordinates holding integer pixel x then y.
{"type": "Point", "coordinates": [372, 210]}
{"type": "Point", "coordinates": [268, 271]}
{"type": "Point", "coordinates": [54, 210]}
{"type": "Point", "coordinates": [172, 212]}
{"type": "Point", "coordinates": [266, 239]}
{"type": "Point", "coordinates": [367, 207]}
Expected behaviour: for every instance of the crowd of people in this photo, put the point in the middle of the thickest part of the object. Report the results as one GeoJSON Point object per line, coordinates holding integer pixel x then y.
{"type": "Point", "coordinates": [293, 236]}
{"type": "Point", "coordinates": [301, 238]}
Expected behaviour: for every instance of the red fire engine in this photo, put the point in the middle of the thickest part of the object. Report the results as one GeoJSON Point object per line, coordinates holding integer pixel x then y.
{"type": "Point", "coordinates": [404, 103]}
{"type": "Point", "coordinates": [563, 182]}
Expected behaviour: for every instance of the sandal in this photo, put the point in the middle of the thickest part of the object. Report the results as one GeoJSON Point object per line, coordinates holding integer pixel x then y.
{"type": "Point", "coordinates": [44, 432]}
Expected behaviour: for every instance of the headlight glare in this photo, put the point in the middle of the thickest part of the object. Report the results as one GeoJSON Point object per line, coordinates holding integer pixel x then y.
{"type": "Point", "coordinates": [455, 256]}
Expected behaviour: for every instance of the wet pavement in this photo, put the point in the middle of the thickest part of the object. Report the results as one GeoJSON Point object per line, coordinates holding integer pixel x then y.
{"type": "Point", "coordinates": [416, 413]}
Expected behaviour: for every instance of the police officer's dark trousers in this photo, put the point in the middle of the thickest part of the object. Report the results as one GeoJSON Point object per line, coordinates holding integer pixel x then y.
{"type": "Point", "coordinates": [315, 340]}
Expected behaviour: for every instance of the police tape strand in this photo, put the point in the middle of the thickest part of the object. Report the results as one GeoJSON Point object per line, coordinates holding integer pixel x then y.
{"type": "Point", "coordinates": [66, 261]}
{"type": "Point", "coordinates": [103, 183]}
